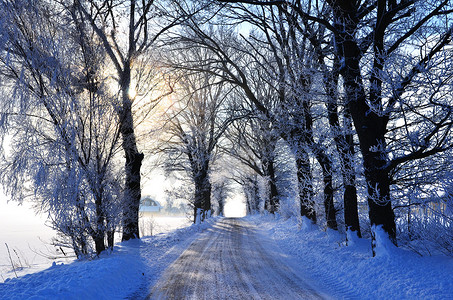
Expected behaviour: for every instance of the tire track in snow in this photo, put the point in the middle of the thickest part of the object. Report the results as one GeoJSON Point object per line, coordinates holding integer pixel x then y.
{"type": "Point", "coordinates": [230, 261]}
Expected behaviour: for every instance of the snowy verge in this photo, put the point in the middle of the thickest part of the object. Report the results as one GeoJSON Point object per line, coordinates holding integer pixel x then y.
{"type": "Point", "coordinates": [126, 273]}
{"type": "Point", "coordinates": [351, 271]}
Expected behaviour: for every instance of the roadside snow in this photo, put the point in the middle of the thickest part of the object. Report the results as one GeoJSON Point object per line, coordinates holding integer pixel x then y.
{"type": "Point", "coordinates": [347, 272]}
{"type": "Point", "coordinates": [351, 271]}
{"type": "Point", "coordinates": [131, 268]}
{"type": "Point", "coordinates": [30, 241]}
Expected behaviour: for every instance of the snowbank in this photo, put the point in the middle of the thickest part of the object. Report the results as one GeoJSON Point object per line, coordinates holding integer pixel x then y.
{"type": "Point", "coordinates": [352, 272]}
{"type": "Point", "coordinates": [346, 272]}
{"type": "Point", "coordinates": [131, 268]}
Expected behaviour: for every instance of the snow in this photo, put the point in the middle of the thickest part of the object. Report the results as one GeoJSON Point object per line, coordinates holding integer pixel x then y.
{"type": "Point", "coordinates": [348, 271]}
{"type": "Point", "coordinates": [26, 234]}
{"type": "Point", "coordinates": [230, 260]}
{"type": "Point", "coordinates": [351, 271]}
{"type": "Point", "coordinates": [131, 268]}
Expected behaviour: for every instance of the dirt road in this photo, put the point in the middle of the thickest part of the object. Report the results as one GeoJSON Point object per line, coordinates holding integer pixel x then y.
{"type": "Point", "coordinates": [232, 261]}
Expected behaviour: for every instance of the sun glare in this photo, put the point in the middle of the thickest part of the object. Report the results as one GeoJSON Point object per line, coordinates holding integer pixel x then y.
{"type": "Point", "coordinates": [132, 93]}
{"type": "Point", "coordinates": [235, 207]}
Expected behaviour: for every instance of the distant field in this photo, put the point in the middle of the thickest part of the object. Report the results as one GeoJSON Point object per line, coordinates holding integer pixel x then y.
{"type": "Point", "coordinates": [29, 239]}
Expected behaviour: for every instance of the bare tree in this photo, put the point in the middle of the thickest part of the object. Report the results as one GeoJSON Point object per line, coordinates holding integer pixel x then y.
{"type": "Point", "coordinates": [372, 105]}
{"type": "Point", "coordinates": [368, 37]}
{"type": "Point", "coordinates": [251, 191]}
{"type": "Point", "coordinates": [198, 122]}
{"type": "Point", "coordinates": [126, 30]}
{"type": "Point", "coordinates": [221, 190]}
{"type": "Point", "coordinates": [252, 142]}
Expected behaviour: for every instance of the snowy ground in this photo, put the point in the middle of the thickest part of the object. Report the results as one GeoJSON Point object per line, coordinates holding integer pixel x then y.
{"type": "Point", "coordinates": [132, 266]}
{"type": "Point", "coordinates": [27, 237]}
{"type": "Point", "coordinates": [233, 260]}
{"type": "Point", "coordinates": [30, 241]}
{"type": "Point", "coordinates": [347, 270]}
{"type": "Point", "coordinates": [393, 274]}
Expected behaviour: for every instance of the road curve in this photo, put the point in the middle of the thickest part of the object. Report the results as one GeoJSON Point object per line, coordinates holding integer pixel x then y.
{"type": "Point", "coordinates": [230, 261]}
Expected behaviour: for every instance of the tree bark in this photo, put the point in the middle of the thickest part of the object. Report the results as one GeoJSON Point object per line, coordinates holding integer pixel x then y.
{"type": "Point", "coordinates": [134, 160]}
{"type": "Point", "coordinates": [329, 207]}
{"type": "Point", "coordinates": [344, 142]}
{"type": "Point", "coordinates": [371, 132]}
{"type": "Point", "coordinates": [345, 148]}
{"type": "Point", "coordinates": [110, 239]}
{"type": "Point", "coordinates": [347, 152]}
{"type": "Point", "coordinates": [305, 181]}
{"type": "Point", "coordinates": [99, 233]}
{"type": "Point", "coordinates": [272, 203]}
{"type": "Point", "coordinates": [202, 202]}
{"type": "Point", "coordinates": [325, 163]}
{"type": "Point", "coordinates": [370, 127]}
{"type": "Point", "coordinates": [99, 243]}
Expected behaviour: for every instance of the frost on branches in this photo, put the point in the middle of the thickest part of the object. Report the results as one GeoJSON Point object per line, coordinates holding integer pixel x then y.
{"type": "Point", "coordinates": [61, 125]}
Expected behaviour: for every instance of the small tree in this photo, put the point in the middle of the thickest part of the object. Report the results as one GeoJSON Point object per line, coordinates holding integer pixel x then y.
{"type": "Point", "coordinates": [252, 142]}
{"type": "Point", "coordinates": [221, 190]}
{"type": "Point", "coordinates": [197, 123]}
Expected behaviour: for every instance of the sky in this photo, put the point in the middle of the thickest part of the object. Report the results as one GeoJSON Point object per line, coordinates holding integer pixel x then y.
{"type": "Point", "coordinates": [235, 207]}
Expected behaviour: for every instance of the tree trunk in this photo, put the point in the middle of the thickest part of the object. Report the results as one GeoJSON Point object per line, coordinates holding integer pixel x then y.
{"type": "Point", "coordinates": [324, 162]}
{"type": "Point", "coordinates": [202, 203]}
{"type": "Point", "coordinates": [273, 202]}
{"type": "Point", "coordinates": [329, 208]}
{"type": "Point", "coordinates": [344, 142]}
{"type": "Point", "coordinates": [134, 160]}
{"type": "Point", "coordinates": [370, 127]}
{"type": "Point", "coordinates": [371, 133]}
{"type": "Point", "coordinates": [110, 239]}
{"type": "Point", "coordinates": [351, 212]}
{"type": "Point", "coordinates": [99, 233]}
{"type": "Point", "coordinates": [99, 242]}
{"type": "Point", "coordinates": [207, 198]}
{"type": "Point", "coordinates": [251, 195]}
{"type": "Point", "coordinates": [221, 207]}
{"type": "Point", "coordinates": [305, 180]}
{"type": "Point", "coordinates": [345, 148]}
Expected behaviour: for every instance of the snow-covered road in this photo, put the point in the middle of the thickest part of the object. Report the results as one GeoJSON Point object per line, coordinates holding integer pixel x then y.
{"type": "Point", "coordinates": [232, 261]}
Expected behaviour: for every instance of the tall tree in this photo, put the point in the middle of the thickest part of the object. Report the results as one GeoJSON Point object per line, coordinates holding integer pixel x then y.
{"type": "Point", "coordinates": [368, 37]}
{"type": "Point", "coordinates": [126, 30]}
{"type": "Point", "coordinates": [65, 135]}
{"type": "Point", "coordinates": [327, 63]}
{"type": "Point", "coordinates": [371, 111]}
{"type": "Point", "coordinates": [230, 62]}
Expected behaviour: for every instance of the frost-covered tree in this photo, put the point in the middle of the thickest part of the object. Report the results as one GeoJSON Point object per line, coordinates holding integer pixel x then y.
{"type": "Point", "coordinates": [127, 30]}
{"type": "Point", "coordinates": [385, 30]}
{"type": "Point", "coordinates": [59, 123]}
{"type": "Point", "coordinates": [269, 58]}
{"type": "Point", "coordinates": [197, 122]}
{"type": "Point", "coordinates": [221, 190]}
{"type": "Point", "coordinates": [252, 195]}
{"type": "Point", "coordinates": [383, 49]}
{"type": "Point", "coordinates": [252, 142]}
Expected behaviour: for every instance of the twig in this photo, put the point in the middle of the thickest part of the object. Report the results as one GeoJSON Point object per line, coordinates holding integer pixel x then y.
{"type": "Point", "coordinates": [20, 262]}
{"type": "Point", "coordinates": [11, 260]}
